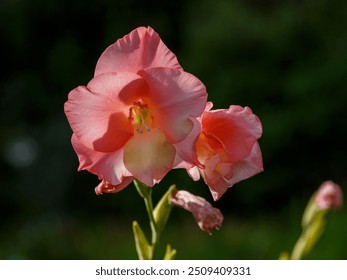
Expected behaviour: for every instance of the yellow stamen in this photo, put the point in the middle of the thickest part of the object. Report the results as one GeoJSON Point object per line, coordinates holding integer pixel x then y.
{"type": "Point", "coordinates": [140, 117]}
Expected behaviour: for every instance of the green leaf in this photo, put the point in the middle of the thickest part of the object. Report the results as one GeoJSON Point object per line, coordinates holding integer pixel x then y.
{"type": "Point", "coordinates": [162, 210]}
{"type": "Point", "coordinates": [170, 253]}
{"type": "Point", "coordinates": [144, 250]}
{"type": "Point", "coordinates": [142, 189]}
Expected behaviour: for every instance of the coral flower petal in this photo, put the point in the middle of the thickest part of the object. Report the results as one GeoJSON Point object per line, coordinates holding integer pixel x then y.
{"type": "Point", "coordinates": [140, 49]}
{"type": "Point", "coordinates": [98, 113]}
{"type": "Point", "coordinates": [235, 127]}
{"type": "Point", "coordinates": [176, 96]}
{"type": "Point", "coordinates": [248, 167]}
{"type": "Point", "coordinates": [240, 170]}
{"type": "Point", "coordinates": [108, 166]}
{"type": "Point", "coordinates": [149, 156]}
{"type": "Point", "coordinates": [186, 156]}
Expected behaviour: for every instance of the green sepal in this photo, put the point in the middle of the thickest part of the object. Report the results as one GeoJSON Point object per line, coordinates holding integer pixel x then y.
{"type": "Point", "coordinates": [309, 212]}
{"type": "Point", "coordinates": [144, 250]}
{"type": "Point", "coordinates": [312, 213]}
{"type": "Point", "coordinates": [313, 232]}
{"type": "Point", "coordinates": [162, 210]}
{"type": "Point", "coordinates": [170, 253]}
{"type": "Point", "coordinates": [142, 189]}
{"type": "Point", "coordinates": [313, 225]}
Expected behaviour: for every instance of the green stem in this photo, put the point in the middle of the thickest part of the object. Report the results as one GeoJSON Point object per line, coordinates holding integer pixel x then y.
{"type": "Point", "coordinates": [153, 224]}
{"type": "Point", "coordinates": [146, 193]}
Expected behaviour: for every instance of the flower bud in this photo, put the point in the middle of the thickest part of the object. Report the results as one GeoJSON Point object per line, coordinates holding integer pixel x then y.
{"type": "Point", "coordinates": [207, 217]}
{"type": "Point", "coordinates": [329, 196]}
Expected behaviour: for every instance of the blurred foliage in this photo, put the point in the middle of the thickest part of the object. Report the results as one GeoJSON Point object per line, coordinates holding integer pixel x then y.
{"type": "Point", "coordinates": [287, 60]}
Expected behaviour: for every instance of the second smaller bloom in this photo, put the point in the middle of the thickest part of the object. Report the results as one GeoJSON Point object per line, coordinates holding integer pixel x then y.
{"type": "Point", "coordinates": [228, 148]}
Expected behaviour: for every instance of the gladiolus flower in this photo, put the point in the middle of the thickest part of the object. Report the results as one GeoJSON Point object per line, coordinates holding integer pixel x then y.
{"type": "Point", "coordinates": [228, 148]}
{"type": "Point", "coordinates": [207, 217]}
{"type": "Point", "coordinates": [329, 196]}
{"type": "Point", "coordinates": [133, 118]}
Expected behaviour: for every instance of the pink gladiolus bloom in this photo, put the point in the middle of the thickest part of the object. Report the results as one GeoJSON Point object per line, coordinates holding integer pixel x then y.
{"type": "Point", "coordinates": [329, 196]}
{"type": "Point", "coordinates": [133, 118]}
{"type": "Point", "coordinates": [207, 217]}
{"type": "Point", "coordinates": [228, 148]}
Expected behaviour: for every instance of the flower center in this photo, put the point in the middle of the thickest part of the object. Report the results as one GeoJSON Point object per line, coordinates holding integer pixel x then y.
{"type": "Point", "coordinates": [140, 117]}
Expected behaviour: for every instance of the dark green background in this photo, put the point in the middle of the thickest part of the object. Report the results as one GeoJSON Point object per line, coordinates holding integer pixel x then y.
{"type": "Point", "coordinates": [287, 60]}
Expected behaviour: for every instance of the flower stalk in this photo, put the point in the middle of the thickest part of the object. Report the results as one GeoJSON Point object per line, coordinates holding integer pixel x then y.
{"type": "Point", "coordinates": [146, 193]}
{"type": "Point", "coordinates": [158, 217]}
{"type": "Point", "coordinates": [328, 197]}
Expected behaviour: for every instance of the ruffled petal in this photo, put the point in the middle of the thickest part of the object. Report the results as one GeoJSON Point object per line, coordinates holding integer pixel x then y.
{"type": "Point", "coordinates": [219, 183]}
{"type": "Point", "coordinates": [149, 156]}
{"type": "Point", "coordinates": [140, 49]}
{"type": "Point", "coordinates": [236, 128]}
{"type": "Point", "coordinates": [108, 166]}
{"type": "Point", "coordinates": [98, 114]}
{"type": "Point", "coordinates": [186, 156]}
{"type": "Point", "coordinates": [175, 96]}
{"type": "Point", "coordinates": [248, 167]}
{"type": "Point", "coordinates": [214, 180]}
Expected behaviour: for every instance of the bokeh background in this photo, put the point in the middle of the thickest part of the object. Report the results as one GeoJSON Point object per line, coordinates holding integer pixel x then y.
{"type": "Point", "coordinates": [287, 60]}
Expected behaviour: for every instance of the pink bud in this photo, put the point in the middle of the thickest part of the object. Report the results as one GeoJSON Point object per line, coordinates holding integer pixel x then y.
{"type": "Point", "coordinates": [207, 217]}
{"type": "Point", "coordinates": [329, 196]}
